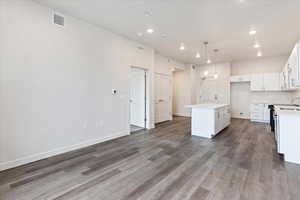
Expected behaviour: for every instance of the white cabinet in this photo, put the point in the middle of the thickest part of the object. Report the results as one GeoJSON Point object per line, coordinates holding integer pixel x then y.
{"type": "Point", "coordinates": [218, 120]}
{"type": "Point", "coordinates": [288, 137]}
{"type": "Point", "coordinates": [282, 81]}
{"type": "Point", "coordinates": [222, 118]}
{"type": "Point", "coordinates": [240, 78]}
{"type": "Point", "coordinates": [227, 116]}
{"type": "Point", "coordinates": [265, 82]}
{"type": "Point", "coordinates": [266, 113]}
{"type": "Point", "coordinates": [209, 119]}
{"type": "Point", "coordinates": [290, 79]}
{"type": "Point", "coordinates": [272, 82]}
{"type": "Point", "coordinates": [293, 64]}
{"type": "Point", "coordinates": [257, 82]}
{"type": "Point", "coordinates": [260, 113]}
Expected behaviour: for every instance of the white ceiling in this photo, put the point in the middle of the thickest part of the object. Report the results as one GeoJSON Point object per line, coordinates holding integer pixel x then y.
{"type": "Point", "coordinates": [223, 23]}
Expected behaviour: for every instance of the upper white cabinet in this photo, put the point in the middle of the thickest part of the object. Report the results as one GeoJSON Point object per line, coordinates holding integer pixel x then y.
{"type": "Point", "coordinates": [293, 64]}
{"type": "Point", "coordinates": [240, 78]}
{"type": "Point", "coordinates": [265, 82]}
{"type": "Point", "coordinates": [290, 76]}
{"type": "Point", "coordinates": [272, 82]}
{"type": "Point", "coordinates": [257, 82]}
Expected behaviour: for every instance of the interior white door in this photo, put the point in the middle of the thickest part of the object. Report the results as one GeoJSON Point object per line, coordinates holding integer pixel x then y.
{"type": "Point", "coordinates": [163, 104]}
{"type": "Point", "coordinates": [137, 97]}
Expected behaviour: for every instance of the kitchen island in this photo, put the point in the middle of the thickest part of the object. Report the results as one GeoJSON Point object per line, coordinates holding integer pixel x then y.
{"type": "Point", "coordinates": [209, 119]}
{"type": "Point", "coordinates": [287, 126]}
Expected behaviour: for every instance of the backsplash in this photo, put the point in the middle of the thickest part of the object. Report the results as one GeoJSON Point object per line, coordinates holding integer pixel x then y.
{"type": "Point", "coordinates": [271, 97]}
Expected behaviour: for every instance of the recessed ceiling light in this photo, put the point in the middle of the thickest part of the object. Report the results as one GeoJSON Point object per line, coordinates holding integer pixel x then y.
{"type": "Point", "coordinates": [205, 73]}
{"type": "Point", "coordinates": [252, 32]}
{"type": "Point", "coordinates": [198, 55]}
{"type": "Point", "coordinates": [182, 48]}
{"type": "Point", "coordinates": [208, 61]}
{"type": "Point", "coordinates": [259, 54]}
{"type": "Point", "coordinates": [150, 30]}
{"type": "Point", "coordinates": [256, 45]}
{"type": "Point", "coordinates": [140, 34]}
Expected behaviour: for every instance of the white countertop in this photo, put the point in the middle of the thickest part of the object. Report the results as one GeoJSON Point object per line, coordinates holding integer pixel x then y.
{"type": "Point", "coordinates": [287, 110]}
{"type": "Point", "coordinates": [209, 106]}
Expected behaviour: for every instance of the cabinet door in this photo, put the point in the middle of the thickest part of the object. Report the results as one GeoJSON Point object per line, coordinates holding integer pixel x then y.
{"type": "Point", "coordinates": [227, 116]}
{"type": "Point", "coordinates": [257, 82]}
{"type": "Point", "coordinates": [282, 81]}
{"type": "Point", "coordinates": [218, 120]}
{"type": "Point", "coordinates": [266, 113]}
{"type": "Point", "coordinates": [272, 82]}
{"type": "Point", "coordinates": [240, 78]}
{"type": "Point", "coordinates": [257, 112]}
{"type": "Point", "coordinates": [294, 68]}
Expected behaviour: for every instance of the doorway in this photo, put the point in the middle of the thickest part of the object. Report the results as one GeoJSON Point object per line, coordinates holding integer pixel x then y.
{"type": "Point", "coordinates": [138, 81]}
{"type": "Point", "coordinates": [163, 98]}
{"type": "Point", "coordinates": [240, 100]}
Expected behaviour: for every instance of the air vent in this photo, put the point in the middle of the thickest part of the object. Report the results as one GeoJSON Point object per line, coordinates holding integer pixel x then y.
{"type": "Point", "coordinates": [58, 19]}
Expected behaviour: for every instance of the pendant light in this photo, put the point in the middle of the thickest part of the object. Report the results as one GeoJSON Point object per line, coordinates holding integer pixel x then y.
{"type": "Point", "coordinates": [208, 61]}
{"type": "Point", "coordinates": [216, 75]}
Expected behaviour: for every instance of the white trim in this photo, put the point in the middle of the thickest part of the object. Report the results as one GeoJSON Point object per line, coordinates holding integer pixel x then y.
{"type": "Point", "coordinates": [40, 156]}
{"type": "Point", "coordinates": [239, 117]}
{"type": "Point", "coordinates": [260, 121]}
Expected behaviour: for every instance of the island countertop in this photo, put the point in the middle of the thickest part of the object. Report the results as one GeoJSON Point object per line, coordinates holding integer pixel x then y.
{"type": "Point", "coordinates": [207, 106]}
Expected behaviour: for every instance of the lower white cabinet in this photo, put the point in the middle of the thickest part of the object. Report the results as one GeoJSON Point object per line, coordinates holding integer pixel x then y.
{"type": "Point", "coordinates": [260, 113]}
{"type": "Point", "coordinates": [222, 118]}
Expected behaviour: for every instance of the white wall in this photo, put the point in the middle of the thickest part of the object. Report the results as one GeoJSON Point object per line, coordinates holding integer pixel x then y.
{"type": "Point", "coordinates": [165, 65]}
{"type": "Point", "coordinates": [55, 83]}
{"type": "Point", "coordinates": [256, 66]}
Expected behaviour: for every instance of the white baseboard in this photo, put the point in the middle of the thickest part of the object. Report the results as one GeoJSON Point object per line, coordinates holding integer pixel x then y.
{"type": "Point", "coordinates": [40, 156]}
{"type": "Point", "coordinates": [239, 117]}
{"type": "Point", "coordinates": [261, 121]}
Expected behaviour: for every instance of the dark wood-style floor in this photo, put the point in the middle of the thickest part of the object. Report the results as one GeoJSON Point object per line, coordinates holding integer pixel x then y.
{"type": "Point", "coordinates": [164, 163]}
